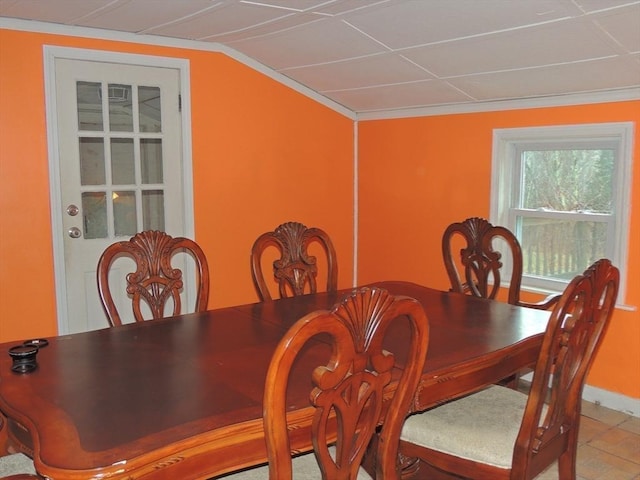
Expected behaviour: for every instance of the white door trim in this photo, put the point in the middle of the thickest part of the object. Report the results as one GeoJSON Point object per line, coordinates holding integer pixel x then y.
{"type": "Point", "coordinates": [50, 55]}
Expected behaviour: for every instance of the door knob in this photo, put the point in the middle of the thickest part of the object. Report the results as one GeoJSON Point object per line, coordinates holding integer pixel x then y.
{"type": "Point", "coordinates": [74, 232]}
{"type": "Point", "coordinates": [72, 210]}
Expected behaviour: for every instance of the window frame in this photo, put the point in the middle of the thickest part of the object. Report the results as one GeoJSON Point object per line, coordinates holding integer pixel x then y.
{"type": "Point", "coordinates": [505, 174]}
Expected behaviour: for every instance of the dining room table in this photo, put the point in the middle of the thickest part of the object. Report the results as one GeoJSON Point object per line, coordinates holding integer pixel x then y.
{"type": "Point", "coordinates": [181, 397]}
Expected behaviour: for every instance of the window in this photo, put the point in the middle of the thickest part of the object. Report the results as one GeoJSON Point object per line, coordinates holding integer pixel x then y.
{"type": "Point", "coordinates": [565, 192]}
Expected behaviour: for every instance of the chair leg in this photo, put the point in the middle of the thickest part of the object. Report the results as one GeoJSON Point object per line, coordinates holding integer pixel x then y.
{"type": "Point", "coordinates": [4, 436]}
{"type": "Point", "coordinates": [511, 381]}
{"type": "Point", "coordinates": [567, 463]}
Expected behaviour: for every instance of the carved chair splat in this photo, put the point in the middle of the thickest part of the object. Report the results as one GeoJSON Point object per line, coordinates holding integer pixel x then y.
{"type": "Point", "coordinates": [295, 271]}
{"type": "Point", "coordinates": [155, 281]}
{"type": "Point", "coordinates": [481, 264]}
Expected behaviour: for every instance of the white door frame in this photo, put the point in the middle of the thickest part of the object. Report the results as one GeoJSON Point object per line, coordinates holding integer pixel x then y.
{"type": "Point", "coordinates": [51, 54]}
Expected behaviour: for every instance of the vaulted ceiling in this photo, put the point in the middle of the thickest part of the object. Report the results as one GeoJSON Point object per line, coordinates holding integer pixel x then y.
{"type": "Point", "coordinates": [391, 55]}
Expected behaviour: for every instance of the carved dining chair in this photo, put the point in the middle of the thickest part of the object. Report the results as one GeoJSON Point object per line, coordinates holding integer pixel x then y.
{"type": "Point", "coordinates": [296, 270]}
{"type": "Point", "coordinates": [156, 282]}
{"type": "Point", "coordinates": [347, 392]}
{"type": "Point", "coordinates": [17, 466]}
{"type": "Point", "coordinates": [500, 433]}
{"type": "Point", "coordinates": [477, 271]}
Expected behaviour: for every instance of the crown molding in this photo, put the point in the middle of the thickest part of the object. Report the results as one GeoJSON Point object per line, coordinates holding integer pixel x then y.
{"type": "Point", "coordinates": [607, 96]}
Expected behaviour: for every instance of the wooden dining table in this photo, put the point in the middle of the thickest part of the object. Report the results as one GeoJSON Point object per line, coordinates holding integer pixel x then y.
{"type": "Point", "coordinates": [181, 397]}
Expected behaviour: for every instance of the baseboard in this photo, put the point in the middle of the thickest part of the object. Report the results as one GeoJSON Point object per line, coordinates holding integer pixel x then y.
{"type": "Point", "coordinates": [612, 400]}
{"type": "Point", "coordinates": [605, 398]}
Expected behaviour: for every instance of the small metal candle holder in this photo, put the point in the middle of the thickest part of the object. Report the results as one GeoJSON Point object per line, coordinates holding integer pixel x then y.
{"type": "Point", "coordinates": [24, 358]}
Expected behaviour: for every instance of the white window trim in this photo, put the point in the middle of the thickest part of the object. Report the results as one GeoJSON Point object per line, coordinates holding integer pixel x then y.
{"type": "Point", "coordinates": [502, 169]}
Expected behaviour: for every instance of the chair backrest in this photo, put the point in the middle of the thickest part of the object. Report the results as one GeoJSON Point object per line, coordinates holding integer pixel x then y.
{"type": "Point", "coordinates": [155, 281]}
{"type": "Point", "coordinates": [295, 271]}
{"type": "Point", "coordinates": [480, 264]}
{"type": "Point", "coordinates": [348, 390]}
{"type": "Point", "coordinates": [576, 328]}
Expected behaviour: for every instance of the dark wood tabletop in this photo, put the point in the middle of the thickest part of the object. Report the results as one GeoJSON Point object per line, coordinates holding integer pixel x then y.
{"type": "Point", "coordinates": [182, 397]}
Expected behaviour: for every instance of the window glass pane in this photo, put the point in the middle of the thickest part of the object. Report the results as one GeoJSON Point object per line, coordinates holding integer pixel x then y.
{"type": "Point", "coordinates": [94, 214]}
{"type": "Point", "coordinates": [92, 161]}
{"type": "Point", "coordinates": [151, 160]}
{"type": "Point", "coordinates": [89, 106]}
{"type": "Point", "coordinates": [149, 109]}
{"type": "Point", "coordinates": [123, 170]}
{"type": "Point", "coordinates": [120, 108]}
{"type": "Point", "coordinates": [153, 210]}
{"type": "Point", "coordinates": [560, 249]}
{"type": "Point", "coordinates": [568, 180]}
{"type": "Point", "coordinates": [125, 221]}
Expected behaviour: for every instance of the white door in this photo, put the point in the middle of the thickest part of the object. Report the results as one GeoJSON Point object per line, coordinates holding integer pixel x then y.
{"type": "Point", "coordinates": [120, 170]}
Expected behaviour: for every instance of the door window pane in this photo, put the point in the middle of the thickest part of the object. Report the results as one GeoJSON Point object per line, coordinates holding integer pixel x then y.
{"type": "Point", "coordinates": [123, 171]}
{"type": "Point", "coordinates": [124, 213]}
{"type": "Point", "coordinates": [153, 210]}
{"type": "Point", "coordinates": [89, 101]}
{"type": "Point", "coordinates": [149, 109]}
{"type": "Point", "coordinates": [151, 160]}
{"type": "Point", "coordinates": [120, 108]}
{"type": "Point", "coordinates": [94, 214]}
{"type": "Point", "coordinates": [92, 161]}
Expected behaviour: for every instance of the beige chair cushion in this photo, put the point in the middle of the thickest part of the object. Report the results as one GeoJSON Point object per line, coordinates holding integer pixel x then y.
{"type": "Point", "coordinates": [481, 427]}
{"type": "Point", "coordinates": [16, 463]}
{"type": "Point", "coordinates": [304, 467]}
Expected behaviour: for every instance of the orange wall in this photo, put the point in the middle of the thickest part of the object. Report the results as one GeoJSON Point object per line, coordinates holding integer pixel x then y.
{"type": "Point", "coordinates": [263, 154]}
{"type": "Point", "coordinates": [417, 175]}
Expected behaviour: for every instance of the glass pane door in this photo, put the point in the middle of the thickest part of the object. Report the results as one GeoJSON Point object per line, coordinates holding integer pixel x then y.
{"type": "Point", "coordinates": [120, 146]}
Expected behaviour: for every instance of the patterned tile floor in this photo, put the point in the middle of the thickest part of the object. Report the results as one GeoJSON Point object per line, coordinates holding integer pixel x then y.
{"type": "Point", "coordinates": [608, 446]}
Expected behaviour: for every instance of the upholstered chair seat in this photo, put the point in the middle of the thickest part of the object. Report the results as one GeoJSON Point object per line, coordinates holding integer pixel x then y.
{"type": "Point", "coordinates": [15, 464]}
{"type": "Point", "coordinates": [482, 427]}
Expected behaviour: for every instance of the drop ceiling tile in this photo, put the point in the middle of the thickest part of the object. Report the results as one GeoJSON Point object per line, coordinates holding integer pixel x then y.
{"type": "Point", "coordinates": [340, 7]}
{"type": "Point", "coordinates": [561, 42]}
{"type": "Point", "coordinates": [382, 69]}
{"type": "Point", "coordinates": [223, 18]}
{"type": "Point", "coordinates": [319, 42]}
{"type": "Point", "coordinates": [139, 15]}
{"type": "Point", "coordinates": [583, 77]}
{"type": "Point", "coordinates": [60, 11]}
{"type": "Point", "coordinates": [623, 25]}
{"type": "Point", "coordinates": [392, 97]}
{"type": "Point", "coordinates": [406, 24]}
{"type": "Point", "coordinates": [296, 5]}
{"type": "Point", "coordinates": [595, 5]}
{"type": "Point", "coordinates": [266, 28]}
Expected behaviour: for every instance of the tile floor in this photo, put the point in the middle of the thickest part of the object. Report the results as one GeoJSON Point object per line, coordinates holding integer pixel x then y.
{"type": "Point", "coordinates": [608, 446]}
